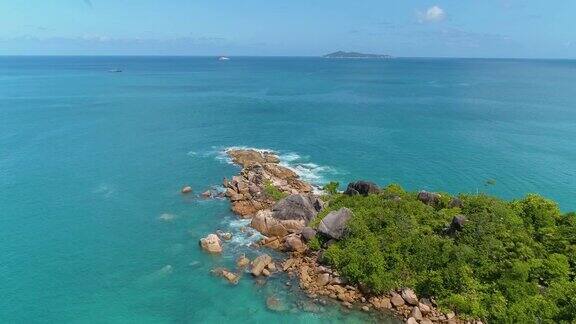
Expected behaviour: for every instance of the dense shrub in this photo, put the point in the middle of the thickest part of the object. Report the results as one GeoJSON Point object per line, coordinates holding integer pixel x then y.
{"type": "Point", "coordinates": [512, 261]}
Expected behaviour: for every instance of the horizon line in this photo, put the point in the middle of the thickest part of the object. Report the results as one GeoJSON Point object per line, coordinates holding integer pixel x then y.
{"type": "Point", "coordinates": [288, 56]}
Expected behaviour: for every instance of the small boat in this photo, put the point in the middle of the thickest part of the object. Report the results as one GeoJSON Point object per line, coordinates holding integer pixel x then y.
{"type": "Point", "coordinates": [223, 58]}
{"type": "Point", "coordinates": [115, 71]}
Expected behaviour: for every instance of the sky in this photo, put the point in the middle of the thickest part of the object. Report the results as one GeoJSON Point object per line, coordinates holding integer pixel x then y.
{"type": "Point", "coordinates": [413, 28]}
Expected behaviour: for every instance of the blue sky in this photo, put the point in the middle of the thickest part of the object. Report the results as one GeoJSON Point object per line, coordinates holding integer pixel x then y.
{"type": "Point", "coordinates": [447, 28]}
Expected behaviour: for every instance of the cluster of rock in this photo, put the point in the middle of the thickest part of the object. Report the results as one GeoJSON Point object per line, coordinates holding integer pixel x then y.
{"type": "Point", "coordinates": [284, 225]}
{"type": "Point", "coordinates": [319, 280]}
{"type": "Point", "coordinates": [259, 170]}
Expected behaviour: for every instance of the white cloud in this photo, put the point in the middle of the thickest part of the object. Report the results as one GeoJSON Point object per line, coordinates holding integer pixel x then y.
{"type": "Point", "coordinates": [432, 14]}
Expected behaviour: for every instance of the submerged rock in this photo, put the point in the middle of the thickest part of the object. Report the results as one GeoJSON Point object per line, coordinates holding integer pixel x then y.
{"type": "Point", "coordinates": [274, 304]}
{"type": "Point", "coordinates": [227, 274]}
{"type": "Point", "coordinates": [361, 188]}
{"type": "Point", "coordinates": [242, 261]}
{"type": "Point", "coordinates": [334, 225]}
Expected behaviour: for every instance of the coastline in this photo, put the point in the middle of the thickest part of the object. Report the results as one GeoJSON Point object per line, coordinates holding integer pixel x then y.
{"type": "Point", "coordinates": [280, 206]}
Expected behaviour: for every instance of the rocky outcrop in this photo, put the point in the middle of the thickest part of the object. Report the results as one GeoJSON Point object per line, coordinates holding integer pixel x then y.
{"type": "Point", "coordinates": [260, 172]}
{"type": "Point", "coordinates": [246, 157]}
{"type": "Point", "coordinates": [186, 189]}
{"type": "Point", "coordinates": [300, 207]}
{"type": "Point", "coordinates": [334, 225]}
{"type": "Point", "coordinates": [252, 194]}
{"type": "Point", "coordinates": [211, 243]}
{"type": "Point", "coordinates": [361, 188]}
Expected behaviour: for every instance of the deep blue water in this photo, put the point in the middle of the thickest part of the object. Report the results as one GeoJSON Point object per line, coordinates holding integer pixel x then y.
{"type": "Point", "coordinates": [89, 160]}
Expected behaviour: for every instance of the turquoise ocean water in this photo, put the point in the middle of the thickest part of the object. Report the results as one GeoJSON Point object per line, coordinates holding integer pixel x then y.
{"type": "Point", "coordinates": [90, 160]}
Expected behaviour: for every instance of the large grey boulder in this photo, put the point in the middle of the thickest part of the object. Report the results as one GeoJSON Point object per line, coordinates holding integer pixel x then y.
{"type": "Point", "coordinates": [429, 198]}
{"type": "Point", "coordinates": [334, 225]}
{"type": "Point", "coordinates": [363, 188]}
{"type": "Point", "coordinates": [297, 207]}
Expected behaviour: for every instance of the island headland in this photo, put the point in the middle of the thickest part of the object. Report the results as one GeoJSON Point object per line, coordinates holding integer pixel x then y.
{"type": "Point", "coordinates": [333, 245]}
{"type": "Point", "coordinates": [356, 55]}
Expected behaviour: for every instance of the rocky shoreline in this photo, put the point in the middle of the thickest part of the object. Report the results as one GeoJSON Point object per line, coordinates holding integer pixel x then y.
{"type": "Point", "coordinates": [281, 206]}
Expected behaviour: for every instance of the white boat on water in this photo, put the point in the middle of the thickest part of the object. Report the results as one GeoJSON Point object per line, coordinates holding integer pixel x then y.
{"type": "Point", "coordinates": [223, 58]}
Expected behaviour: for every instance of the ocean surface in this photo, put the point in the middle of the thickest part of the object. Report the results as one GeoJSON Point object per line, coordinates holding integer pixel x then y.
{"type": "Point", "coordinates": [90, 161]}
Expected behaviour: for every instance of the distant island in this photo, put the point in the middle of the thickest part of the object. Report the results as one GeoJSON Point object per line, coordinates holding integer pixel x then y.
{"type": "Point", "coordinates": [342, 54]}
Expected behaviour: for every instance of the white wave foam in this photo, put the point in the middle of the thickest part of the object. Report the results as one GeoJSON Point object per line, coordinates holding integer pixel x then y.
{"type": "Point", "coordinates": [242, 233]}
{"type": "Point", "coordinates": [310, 172]}
{"type": "Point", "coordinates": [166, 217]}
{"type": "Point", "coordinates": [105, 190]}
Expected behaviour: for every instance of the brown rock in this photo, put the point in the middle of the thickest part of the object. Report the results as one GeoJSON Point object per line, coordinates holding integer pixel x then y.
{"type": "Point", "coordinates": [244, 208]}
{"type": "Point", "coordinates": [247, 157]}
{"type": "Point", "coordinates": [211, 243]}
{"type": "Point", "coordinates": [186, 189]}
{"type": "Point", "coordinates": [426, 321]}
{"type": "Point", "coordinates": [266, 272]}
{"type": "Point", "coordinates": [365, 308]}
{"type": "Point", "coordinates": [260, 263]}
{"type": "Point", "coordinates": [230, 276]}
{"type": "Point", "coordinates": [409, 296]}
{"type": "Point", "coordinates": [288, 264]}
{"type": "Point", "coordinates": [207, 194]}
{"type": "Point", "coordinates": [385, 303]}
{"type": "Point", "coordinates": [397, 300]}
{"type": "Point", "coordinates": [411, 320]}
{"type": "Point", "coordinates": [323, 279]}
{"type": "Point", "coordinates": [264, 223]}
{"type": "Point", "coordinates": [293, 243]}
{"type": "Point", "coordinates": [424, 309]}
{"type": "Point", "coordinates": [242, 261]}
{"type": "Point", "coordinates": [416, 313]}
{"type": "Point", "coordinates": [271, 266]}
{"type": "Point", "coordinates": [236, 197]}
{"type": "Point", "coordinates": [271, 243]}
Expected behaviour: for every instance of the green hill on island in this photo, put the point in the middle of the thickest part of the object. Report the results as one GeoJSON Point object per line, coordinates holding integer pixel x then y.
{"type": "Point", "coordinates": [342, 54]}
{"type": "Point", "coordinates": [501, 261]}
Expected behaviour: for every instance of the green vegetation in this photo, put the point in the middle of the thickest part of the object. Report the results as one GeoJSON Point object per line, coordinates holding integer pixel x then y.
{"type": "Point", "coordinates": [271, 191]}
{"type": "Point", "coordinates": [513, 262]}
{"type": "Point", "coordinates": [331, 188]}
